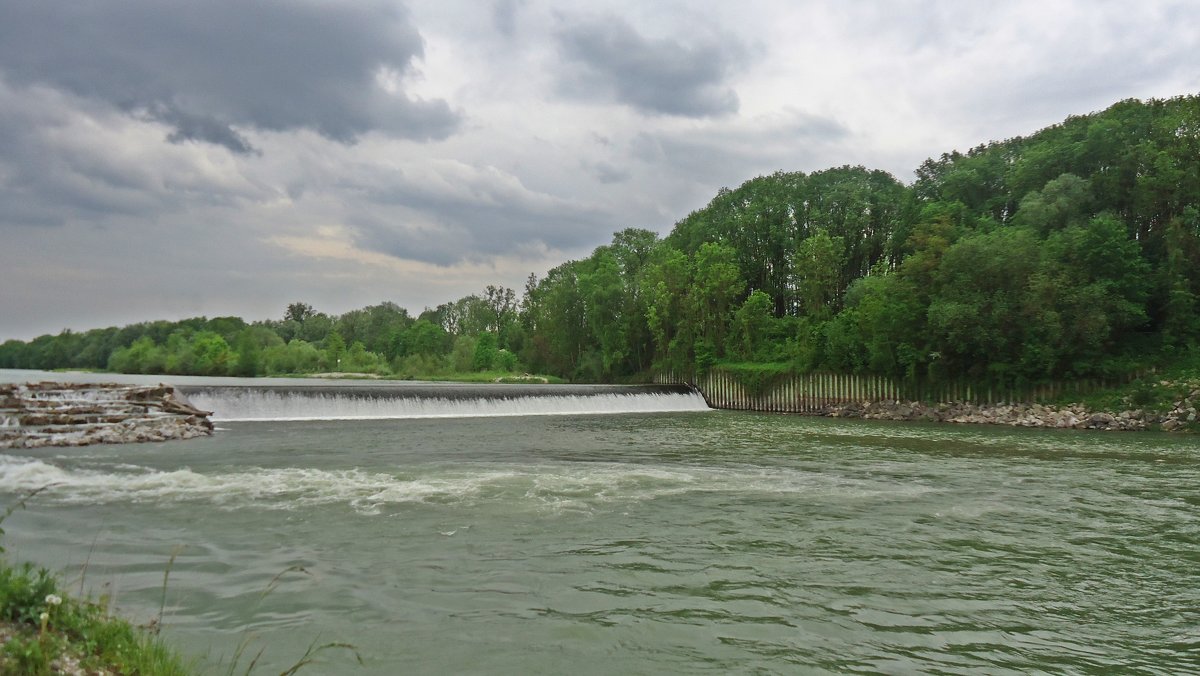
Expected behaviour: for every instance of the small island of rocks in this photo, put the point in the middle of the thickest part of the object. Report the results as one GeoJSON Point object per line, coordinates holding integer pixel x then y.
{"type": "Point", "coordinates": [66, 414]}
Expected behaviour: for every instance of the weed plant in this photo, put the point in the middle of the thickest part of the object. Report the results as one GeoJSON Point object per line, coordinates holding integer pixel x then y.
{"type": "Point", "coordinates": [45, 629]}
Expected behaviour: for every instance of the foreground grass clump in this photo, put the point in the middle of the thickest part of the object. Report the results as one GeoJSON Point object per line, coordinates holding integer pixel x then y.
{"type": "Point", "coordinates": [46, 632]}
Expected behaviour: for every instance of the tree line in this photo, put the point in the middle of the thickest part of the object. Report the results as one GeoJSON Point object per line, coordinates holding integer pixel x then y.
{"type": "Point", "coordinates": [1070, 253]}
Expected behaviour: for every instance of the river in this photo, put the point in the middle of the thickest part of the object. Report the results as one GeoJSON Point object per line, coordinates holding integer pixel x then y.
{"type": "Point", "coordinates": [636, 543]}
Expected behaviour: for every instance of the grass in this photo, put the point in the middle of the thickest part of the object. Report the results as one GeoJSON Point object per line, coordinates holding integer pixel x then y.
{"type": "Point", "coordinates": [470, 377]}
{"type": "Point", "coordinates": [490, 377]}
{"type": "Point", "coordinates": [44, 631]}
{"type": "Point", "coordinates": [47, 629]}
{"type": "Point", "coordinates": [50, 629]}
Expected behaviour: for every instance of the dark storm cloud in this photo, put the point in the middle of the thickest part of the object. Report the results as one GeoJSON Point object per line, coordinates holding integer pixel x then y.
{"type": "Point", "coordinates": [52, 182]}
{"type": "Point", "coordinates": [659, 76]}
{"type": "Point", "coordinates": [206, 68]}
{"type": "Point", "coordinates": [69, 160]}
{"type": "Point", "coordinates": [189, 127]}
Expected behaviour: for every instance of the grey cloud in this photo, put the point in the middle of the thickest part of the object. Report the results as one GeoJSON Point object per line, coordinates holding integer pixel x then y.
{"type": "Point", "coordinates": [504, 16]}
{"type": "Point", "coordinates": [188, 127]}
{"type": "Point", "coordinates": [658, 76]}
{"type": "Point", "coordinates": [43, 183]}
{"type": "Point", "coordinates": [607, 173]}
{"type": "Point", "coordinates": [972, 61]}
{"type": "Point", "coordinates": [486, 216]}
{"type": "Point", "coordinates": [729, 155]}
{"type": "Point", "coordinates": [207, 67]}
{"type": "Point", "coordinates": [65, 160]}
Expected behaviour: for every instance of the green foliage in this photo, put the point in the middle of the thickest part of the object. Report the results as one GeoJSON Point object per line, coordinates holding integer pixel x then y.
{"type": "Point", "coordinates": [333, 349]}
{"type": "Point", "coordinates": [485, 352]}
{"type": "Point", "coordinates": [298, 312]}
{"type": "Point", "coordinates": [462, 355]}
{"type": "Point", "coordinates": [817, 266]}
{"type": "Point", "coordinates": [23, 590]}
{"type": "Point", "coordinates": [753, 324]}
{"type": "Point", "coordinates": [48, 624]}
{"type": "Point", "coordinates": [504, 361]}
{"type": "Point", "coordinates": [357, 359]}
{"type": "Point", "coordinates": [143, 356]}
{"type": "Point", "coordinates": [297, 356]}
{"type": "Point", "coordinates": [418, 366]}
{"type": "Point", "coordinates": [212, 356]}
{"type": "Point", "coordinates": [1070, 253]}
{"type": "Point", "coordinates": [757, 377]}
{"type": "Point", "coordinates": [423, 338]}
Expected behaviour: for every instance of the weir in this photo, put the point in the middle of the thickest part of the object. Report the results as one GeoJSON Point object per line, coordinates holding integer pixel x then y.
{"type": "Point", "coordinates": [367, 401]}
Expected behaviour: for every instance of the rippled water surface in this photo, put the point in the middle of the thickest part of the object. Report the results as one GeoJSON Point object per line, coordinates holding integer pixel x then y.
{"type": "Point", "coordinates": [663, 543]}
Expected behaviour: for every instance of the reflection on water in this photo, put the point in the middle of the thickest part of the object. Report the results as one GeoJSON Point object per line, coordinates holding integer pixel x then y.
{"type": "Point", "coordinates": [664, 543]}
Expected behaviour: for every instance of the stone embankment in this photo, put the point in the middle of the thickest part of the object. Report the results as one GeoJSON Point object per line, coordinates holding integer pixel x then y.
{"type": "Point", "coordinates": [63, 414]}
{"type": "Point", "coordinates": [1182, 416]}
{"type": "Point", "coordinates": [1185, 409]}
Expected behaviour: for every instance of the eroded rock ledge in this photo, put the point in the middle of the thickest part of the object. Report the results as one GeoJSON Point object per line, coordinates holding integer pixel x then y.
{"type": "Point", "coordinates": [65, 414]}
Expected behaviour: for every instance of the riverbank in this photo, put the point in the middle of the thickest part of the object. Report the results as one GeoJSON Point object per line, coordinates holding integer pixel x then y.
{"type": "Point", "coordinates": [1161, 403]}
{"type": "Point", "coordinates": [1071, 416]}
{"type": "Point", "coordinates": [94, 646]}
{"type": "Point", "coordinates": [1169, 405]}
{"type": "Point", "coordinates": [43, 630]}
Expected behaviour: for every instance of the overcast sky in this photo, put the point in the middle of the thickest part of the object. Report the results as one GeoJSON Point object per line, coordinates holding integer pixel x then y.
{"type": "Point", "coordinates": [163, 159]}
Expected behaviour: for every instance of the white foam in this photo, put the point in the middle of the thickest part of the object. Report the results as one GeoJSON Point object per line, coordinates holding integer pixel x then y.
{"type": "Point", "coordinates": [558, 487]}
{"type": "Point", "coordinates": [252, 405]}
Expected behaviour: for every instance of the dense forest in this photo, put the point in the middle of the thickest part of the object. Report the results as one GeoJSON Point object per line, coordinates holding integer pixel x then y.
{"type": "Point", "coordinates": [1073, 252]}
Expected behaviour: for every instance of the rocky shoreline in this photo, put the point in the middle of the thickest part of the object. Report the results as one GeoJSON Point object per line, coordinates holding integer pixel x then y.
{"type": "Point", "coordinates": [1181, 417]}
{"type": "Point", "coordinates": [63, 414]}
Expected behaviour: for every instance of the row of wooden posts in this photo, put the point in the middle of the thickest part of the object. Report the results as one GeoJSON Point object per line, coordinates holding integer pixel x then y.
{"type": "Point", "coordinates": [815, 392]}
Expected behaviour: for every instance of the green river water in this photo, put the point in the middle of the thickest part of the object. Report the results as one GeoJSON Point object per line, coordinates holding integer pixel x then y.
{"type": "Point", "coordinates": [710, 542]}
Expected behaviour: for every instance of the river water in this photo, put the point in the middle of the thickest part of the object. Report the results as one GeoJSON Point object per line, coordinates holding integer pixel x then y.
{"type": "Point", "coordinates": [636, 543]}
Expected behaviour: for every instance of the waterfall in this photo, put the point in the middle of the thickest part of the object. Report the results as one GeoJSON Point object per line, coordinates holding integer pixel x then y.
{"type": "Point", "coordinates": [367, 402]}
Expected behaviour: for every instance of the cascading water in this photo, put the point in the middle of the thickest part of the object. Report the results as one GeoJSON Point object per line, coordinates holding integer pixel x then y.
{"type": "Point", "coordinates": [435, 401]}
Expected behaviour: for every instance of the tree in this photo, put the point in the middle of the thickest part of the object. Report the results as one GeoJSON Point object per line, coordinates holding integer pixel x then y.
{"type": "Point", "coordinates": [753, 324]}
{"type": "Point", "coordinates": [555, 318]}
{"type": "Point", "coordinates": [817, 270]}
{"type": "Point", "coordinates": [716, 288]}
{"type": "Point", "coordinates": [424, 338]}
{"type": "Point", "coordinates": [603, 293]}
{"type": "Point", "coordinates": [298, 312]}
{"type": "Point", "coordinates": [1064, 201]}
{"type": "Point", "coordinates": [335, 347]}
{"type": "Point", "coordinates": [485, 352]}
{"type": "Point", "coordinates": [665, 286]}
{"type": "Point", "coordinates": [502, 304]}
